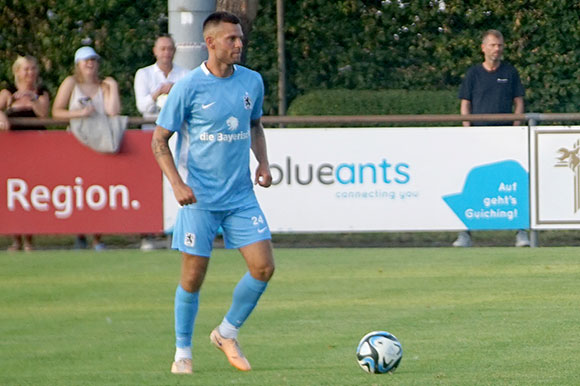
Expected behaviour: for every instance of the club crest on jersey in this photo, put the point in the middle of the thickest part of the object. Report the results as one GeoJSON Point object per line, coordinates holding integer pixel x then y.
{"type": "Point", "coordinates": [248, 102]}
{"type": "Point", "coordinates": [189, 239]}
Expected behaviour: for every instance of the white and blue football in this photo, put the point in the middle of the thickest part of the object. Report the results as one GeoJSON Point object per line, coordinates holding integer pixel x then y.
{"type": "Point", "coordinates": [379, 352]}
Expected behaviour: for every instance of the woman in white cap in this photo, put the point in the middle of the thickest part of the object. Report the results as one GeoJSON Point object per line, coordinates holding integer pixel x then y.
{"type": "Point", "coordinates": [84, 94]}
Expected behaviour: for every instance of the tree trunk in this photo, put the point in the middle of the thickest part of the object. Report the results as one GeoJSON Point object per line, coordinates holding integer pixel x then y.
{"type": "Point", "coordinates": [246, 10]}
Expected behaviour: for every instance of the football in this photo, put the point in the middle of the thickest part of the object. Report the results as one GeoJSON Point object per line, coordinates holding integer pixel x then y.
{"type": "Point", "coordinates": [379, 352]}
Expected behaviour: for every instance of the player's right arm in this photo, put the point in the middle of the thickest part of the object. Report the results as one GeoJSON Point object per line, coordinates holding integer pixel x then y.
{"type": "Point", "coordinates": [160, 146]}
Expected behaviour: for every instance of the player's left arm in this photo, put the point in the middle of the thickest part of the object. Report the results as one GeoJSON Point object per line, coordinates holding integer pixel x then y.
{"type": "Point", "coordinates": [263, 175]}
{"type": "Point", "coordinates": [518, 108]}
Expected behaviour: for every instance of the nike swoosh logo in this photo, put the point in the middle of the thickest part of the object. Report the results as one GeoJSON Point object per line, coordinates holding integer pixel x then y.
{"type": "Point", "coordinates": [262, 230]}
{"type": "Point", "coordinates": [207, 106]}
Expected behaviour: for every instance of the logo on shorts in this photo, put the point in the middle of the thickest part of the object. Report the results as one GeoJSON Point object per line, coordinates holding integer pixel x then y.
{"type": "Point", "coordinates": [189, 239]}
{"type": "Point", "coordinates": [259, 223]}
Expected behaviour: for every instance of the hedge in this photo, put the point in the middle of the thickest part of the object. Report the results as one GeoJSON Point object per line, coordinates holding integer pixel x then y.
{"type": "Point", "coordinates": [375, 102]}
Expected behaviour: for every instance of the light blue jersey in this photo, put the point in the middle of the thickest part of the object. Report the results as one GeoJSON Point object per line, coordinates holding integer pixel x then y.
{"type": "Point", "coordinates": [212, 118]}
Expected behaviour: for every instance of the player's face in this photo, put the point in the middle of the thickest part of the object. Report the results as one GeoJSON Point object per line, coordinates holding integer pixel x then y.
{"type": "Point", "coordinates": [164, 50]}
{"type": "Point", "coordinates": [492, 48]}
{"type": "Point", "coordinates": [227, 44]}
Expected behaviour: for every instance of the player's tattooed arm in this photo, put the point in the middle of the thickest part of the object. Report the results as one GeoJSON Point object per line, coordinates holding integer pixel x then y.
{"type": "Point", "coordinates": [160, 146]}
{"type": "Point", "coordinates": [160, 142]}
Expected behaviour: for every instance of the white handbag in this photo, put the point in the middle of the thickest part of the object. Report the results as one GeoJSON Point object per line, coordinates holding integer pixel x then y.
{"type": "Point", "coordinates": [100, 132]}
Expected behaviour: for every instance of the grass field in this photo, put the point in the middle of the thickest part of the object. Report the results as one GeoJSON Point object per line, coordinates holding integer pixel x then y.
{"type": "Point", "coordinates": [480, 316]}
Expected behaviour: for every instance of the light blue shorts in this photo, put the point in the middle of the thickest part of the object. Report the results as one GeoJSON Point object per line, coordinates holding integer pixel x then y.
{"type": "Point", "coordinates": [195, 229]}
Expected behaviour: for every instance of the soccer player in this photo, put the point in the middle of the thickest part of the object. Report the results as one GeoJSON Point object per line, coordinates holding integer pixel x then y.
{"type": "Point", "coordinates": [216, 111]}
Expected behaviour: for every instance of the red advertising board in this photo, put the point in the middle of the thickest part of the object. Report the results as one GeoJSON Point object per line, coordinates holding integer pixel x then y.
{"type": "Point", "coordinates": [50, 183]}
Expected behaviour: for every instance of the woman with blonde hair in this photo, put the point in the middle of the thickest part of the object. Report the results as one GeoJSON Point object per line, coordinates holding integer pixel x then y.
{"type": "Point", "coordinates": [82, 95]}
{"type": "Point", "coordinates": [26, 98]}
{"type": "Point", "coordinates": [85, 93]}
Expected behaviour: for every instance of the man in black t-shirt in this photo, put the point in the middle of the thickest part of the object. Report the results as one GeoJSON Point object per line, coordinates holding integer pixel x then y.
{"type": "Point", "coordinates": [491, 87]}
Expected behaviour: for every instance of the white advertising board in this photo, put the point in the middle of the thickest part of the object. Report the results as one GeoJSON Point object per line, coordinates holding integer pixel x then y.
{"type": "Point", "coordinates": [555, 176]}
{"type": "Point", "coordinates": [397, 179]}
{"type": "Point", "coordinates": [393, 179]}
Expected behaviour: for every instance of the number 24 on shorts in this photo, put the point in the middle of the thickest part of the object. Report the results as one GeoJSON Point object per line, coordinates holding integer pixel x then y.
{"type": "Point", "coordinates": [259, 222]}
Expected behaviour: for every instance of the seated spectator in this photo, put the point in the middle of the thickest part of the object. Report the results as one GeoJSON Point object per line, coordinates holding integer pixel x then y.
{"type": "Point", "coordinates": [82, 95]}
{"type": "Point", "coordinates": [26, 98]}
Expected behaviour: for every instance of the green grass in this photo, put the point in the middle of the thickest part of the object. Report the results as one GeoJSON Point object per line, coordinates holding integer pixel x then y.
{"type": "Point", "coordinates": [481, 316]}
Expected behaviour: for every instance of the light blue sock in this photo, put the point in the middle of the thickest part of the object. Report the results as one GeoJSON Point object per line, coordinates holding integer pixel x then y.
{"type": "Point", "coordinates": [186, 305]}
{"type": "Point", "coordinates": [246, 296]}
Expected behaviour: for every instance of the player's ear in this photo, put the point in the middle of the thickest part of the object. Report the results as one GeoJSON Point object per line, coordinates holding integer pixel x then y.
{"type": "Point", "coordinates": [209, 40]}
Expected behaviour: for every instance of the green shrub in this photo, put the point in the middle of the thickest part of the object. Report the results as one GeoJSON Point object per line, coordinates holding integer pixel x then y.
{"type": "Point", "coordinates": [371, 102]}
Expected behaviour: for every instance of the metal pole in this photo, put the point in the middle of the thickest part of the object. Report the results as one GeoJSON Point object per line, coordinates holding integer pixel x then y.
{"type": "Point", "coordinates": [281, 57]}
{"type": "Point", "coordinates": [186, 19]}
{"type": "Point", "coordinates": [533, 233]}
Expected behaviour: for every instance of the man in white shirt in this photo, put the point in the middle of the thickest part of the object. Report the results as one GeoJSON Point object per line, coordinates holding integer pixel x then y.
{"type": "Point", "coordinates": [152, 83]}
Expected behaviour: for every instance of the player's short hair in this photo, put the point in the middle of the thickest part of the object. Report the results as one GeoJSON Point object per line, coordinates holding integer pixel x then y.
{"type": "Point", "coordinates": [492, 32]}
{"type": "Point", "coordinates": [220, 17]}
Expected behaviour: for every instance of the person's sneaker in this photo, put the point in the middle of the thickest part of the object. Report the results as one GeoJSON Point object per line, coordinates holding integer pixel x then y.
{"type": "Point", "coordinates": [182, 366]}
{"type": "Point", "coordinates": [99, 247]}
{"type": "Point", "coordinates": [463, 240]}
{"type": "Point", "coordinates": [522, 239]}
{"type": "Point", "coordinates": [231, 348]}
{"type": "Point", "coordinates": [14, 247]}
{"type": "Point", "coordinates": [147, 244]}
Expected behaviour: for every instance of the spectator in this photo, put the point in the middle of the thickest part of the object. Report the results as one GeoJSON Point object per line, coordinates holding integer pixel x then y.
{"type": "Point", "coordinates": [26, 98]}
{"type": "Point", "coordinates": [82, 95]}
{"type": "Point", "coordinates": [152, 84]}
{"type": "Point", "coordinates": [493, 87]}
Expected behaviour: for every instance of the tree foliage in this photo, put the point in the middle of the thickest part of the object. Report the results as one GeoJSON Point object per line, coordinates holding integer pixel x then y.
{"type": "Point", "coordinates": [121, 31]}
{"type": "Point", "coordinates": [340, 44]}
{"type": "Point", "coordinates": [421, 45]}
